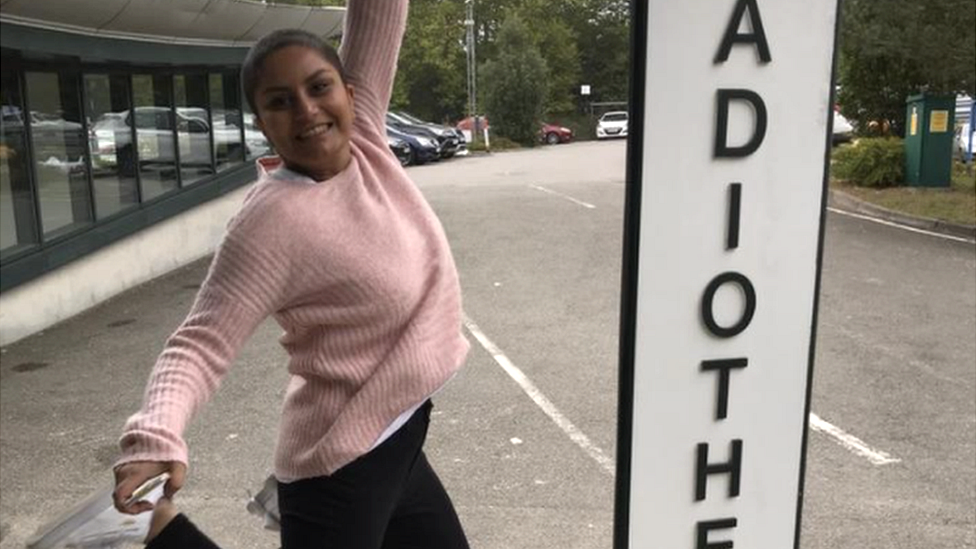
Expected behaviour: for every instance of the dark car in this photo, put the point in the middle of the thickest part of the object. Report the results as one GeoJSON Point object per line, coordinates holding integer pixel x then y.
{"type": "Point", "coordinates": [400, 149]}
{"type": "Point", "coordinates": [445, 134]}
{"type": "Point", "coordinates": [447, 139]}
{"type": "Point", "coordinates": [553, 134]}
{"type": "Point", "coordinates": [423, 148]}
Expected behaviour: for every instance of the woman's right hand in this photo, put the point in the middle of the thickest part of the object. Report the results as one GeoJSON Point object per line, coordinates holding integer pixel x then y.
{"type": "Point", "coordinates": [132, 475]}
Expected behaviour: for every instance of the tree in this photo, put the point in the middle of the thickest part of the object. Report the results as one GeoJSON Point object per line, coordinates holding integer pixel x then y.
{"type": "Point", "coordinates": [431, 73]}
{"type": "Point", "coordinates": [556, 43]}
{"type": "Point", "coordinates": [891, 49]}
{"type": "Point", "coordinates": [515, 83]}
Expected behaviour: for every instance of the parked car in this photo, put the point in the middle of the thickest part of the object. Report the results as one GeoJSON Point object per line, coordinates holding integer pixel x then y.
{"type": "Point", "coordinates": [423, 148]}
{"type": "Point", "coordinates": [612, 124]}
{"type": "Point", "coordinates": [444, 133]}
{"type": "Point", "coordinates": [400, 149]}
{"type": "Point", "coordinates": [111, 136]}
{"type": "Point", "coordinates": [52, 135]}
{"type": "Point", "coordinates": [553, 134]}
{"type": "Point", "coordinates": [961, 142]}
{"type": "Point", "coordinates": [446, 139]}
{"type": "Point", "coordinates": [255, 141]}
{"type": "Point", "coordinates": [843, 130]}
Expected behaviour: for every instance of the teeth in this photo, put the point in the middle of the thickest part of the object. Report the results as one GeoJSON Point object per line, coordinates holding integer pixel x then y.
{"type": "Point", "coordinates": [317, 130]}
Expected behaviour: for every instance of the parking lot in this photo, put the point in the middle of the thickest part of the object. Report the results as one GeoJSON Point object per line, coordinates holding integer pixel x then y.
{"type": "Point", "coordinates": [537, 239]}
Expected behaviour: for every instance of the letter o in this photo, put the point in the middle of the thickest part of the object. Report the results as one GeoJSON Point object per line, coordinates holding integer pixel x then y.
{"type": "Point", "coordinates": [709, 297]}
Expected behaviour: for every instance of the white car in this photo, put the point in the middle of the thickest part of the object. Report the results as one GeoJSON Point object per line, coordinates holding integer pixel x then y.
{"type": "Point", "coordinates": [843, 130]}
{"type": "Point", "coordinates": [964, 134]}
{"type": "Point", "coordinates": [612, 124]}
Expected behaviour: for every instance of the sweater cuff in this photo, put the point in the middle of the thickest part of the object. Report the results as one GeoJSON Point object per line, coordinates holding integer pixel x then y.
{"type": "Point", "coordinates": [146, 446]}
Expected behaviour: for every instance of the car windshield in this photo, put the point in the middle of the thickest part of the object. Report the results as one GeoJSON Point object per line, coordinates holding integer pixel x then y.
{"type": "Point", "coordinates": [397, 118]}
{"type": "Point", "coordinates": [411, 118]}
{"type": "Point", "coordinates": [615, 117]}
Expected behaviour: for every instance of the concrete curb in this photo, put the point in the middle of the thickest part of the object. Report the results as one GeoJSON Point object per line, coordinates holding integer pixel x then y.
{"type": "Point", "coordinates": [843, 201]}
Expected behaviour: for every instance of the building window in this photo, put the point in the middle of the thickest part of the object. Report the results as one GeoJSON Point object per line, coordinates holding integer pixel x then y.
{"type": "Point", "coordinates": [58, 144]}
{"type": "Point", "coordinates": [155, 138]}
{"type": "Point", "coordinates": [225, 102]}
{"type": "Point", "coordinates": [255, 143]}
{"type": "Point", "coordinates": [193, 127]}
{"type": "Point", "coordinates": [113, 159]}
{"type": "Point", "coordinates": [18, 231]}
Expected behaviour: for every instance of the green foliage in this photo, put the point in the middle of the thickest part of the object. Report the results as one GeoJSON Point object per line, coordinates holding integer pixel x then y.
{"type": "Point", "coordinates": [498, 143]}
{"type": "Point", "coordinates": [581, 42]}
{"type": "Point", "coordinates": [515, 83]}
{"type": "Point", "coordinates": [431, 73]}
{"type": "Point", "coordinates": [891, 49]}
{"type": "Point", "coordinates": [871, 162]}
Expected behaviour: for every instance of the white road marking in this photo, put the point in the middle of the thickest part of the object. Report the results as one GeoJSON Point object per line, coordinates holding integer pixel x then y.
{"type": "Point", "coordinates": [573, 432]}
{"type": "Point", "coordinates": [560, 195]}
{"type": "Point", "coordinates": [900, 226]}
{"type": "Point", "coordinates": [851, 442]}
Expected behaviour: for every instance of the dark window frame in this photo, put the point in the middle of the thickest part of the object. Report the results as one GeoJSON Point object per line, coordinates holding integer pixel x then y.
{"type": "Point", "coordinates": [19, 79]}
{"type": "Point", "coordinates": [47, 254]}
{"type": "Point", "coordinates": [73, 70]}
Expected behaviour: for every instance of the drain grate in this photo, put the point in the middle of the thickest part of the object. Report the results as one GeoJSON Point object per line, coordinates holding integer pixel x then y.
{"type": "Point", "coordinates": [30, 366]}
{"type": "Point", "coordinates": [123, 322]}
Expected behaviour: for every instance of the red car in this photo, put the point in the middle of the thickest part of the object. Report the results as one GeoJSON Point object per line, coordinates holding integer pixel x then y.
{"type": "Point", "coordinates": [552, 134]}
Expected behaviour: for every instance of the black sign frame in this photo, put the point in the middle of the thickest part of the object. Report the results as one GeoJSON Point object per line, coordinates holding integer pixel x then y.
{"type": "Point", "coordinates": [630, 264]}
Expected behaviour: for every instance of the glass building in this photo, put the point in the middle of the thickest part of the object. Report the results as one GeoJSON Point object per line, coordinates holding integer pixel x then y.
{"type": "Point", "coordinates": [119, 114]}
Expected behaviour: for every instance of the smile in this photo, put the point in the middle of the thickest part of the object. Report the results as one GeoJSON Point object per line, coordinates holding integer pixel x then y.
{"type": "Point", "coordinates": [316, 130]}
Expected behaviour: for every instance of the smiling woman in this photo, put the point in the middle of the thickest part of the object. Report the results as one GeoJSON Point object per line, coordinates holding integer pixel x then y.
{"type": "Point", "coordinates": [305, 109]}
{"type": "Point", "coordinates": [337, 244]}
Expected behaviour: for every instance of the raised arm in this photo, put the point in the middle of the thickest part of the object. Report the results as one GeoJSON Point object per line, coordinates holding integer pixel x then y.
{"type": "Point", "coordinates": [369, 51]}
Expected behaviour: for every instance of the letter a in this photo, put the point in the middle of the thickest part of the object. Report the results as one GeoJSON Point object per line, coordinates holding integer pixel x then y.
{"type": "Point", "coordinates": [732, 36]}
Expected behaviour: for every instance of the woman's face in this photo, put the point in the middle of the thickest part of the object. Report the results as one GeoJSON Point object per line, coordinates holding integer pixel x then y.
{"type": "Point", "coordinates": [306, 111]}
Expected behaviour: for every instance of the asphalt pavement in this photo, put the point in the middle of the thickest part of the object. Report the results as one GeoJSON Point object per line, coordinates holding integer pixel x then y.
{"type": "Point", "coordinates": [537, 239]}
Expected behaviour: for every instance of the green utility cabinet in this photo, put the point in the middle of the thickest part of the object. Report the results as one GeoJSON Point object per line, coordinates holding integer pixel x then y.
{"type": "Point", "coordinates": [929, 129]}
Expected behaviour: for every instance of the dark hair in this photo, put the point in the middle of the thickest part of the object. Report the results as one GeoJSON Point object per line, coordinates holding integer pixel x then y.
{"type": "Point", "coordinates": [274, 41]}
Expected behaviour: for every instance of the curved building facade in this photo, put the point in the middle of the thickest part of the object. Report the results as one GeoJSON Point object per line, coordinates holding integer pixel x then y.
{"type": "Point", "coordinates": [125, 142]}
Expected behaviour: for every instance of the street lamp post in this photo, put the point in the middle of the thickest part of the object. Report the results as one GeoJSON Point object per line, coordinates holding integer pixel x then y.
{"type": "Point", "coordinates": [472, 70]}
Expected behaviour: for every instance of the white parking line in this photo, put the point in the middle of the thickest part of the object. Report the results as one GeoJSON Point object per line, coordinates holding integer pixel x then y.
{"type": "Point", "coordinates": [851, 442]}
{"type": "Point", "coordinates": [541, 401]}
{"type": "Point", "coordinates": [560, 195]}
{"type": "Point", "coordinates": [900, 226]}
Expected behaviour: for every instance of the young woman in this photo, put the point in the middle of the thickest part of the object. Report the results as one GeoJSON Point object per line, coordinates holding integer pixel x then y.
{"type": "Point", "coordinates": [338, 245]}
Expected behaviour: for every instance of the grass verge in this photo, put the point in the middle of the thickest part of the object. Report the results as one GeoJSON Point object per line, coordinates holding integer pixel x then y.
{"type": "Point", "coordinates": [955, 204]}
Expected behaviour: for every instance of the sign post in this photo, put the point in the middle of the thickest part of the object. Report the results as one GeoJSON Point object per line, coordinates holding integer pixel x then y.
{"type": "Point", "coordinates": [727, 172]}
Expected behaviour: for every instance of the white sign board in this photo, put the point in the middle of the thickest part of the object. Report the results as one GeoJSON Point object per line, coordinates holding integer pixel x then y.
{"type": "Point", "coordinates": [585, 89]}
{"type": "Point", "coordinates": [727, 175]}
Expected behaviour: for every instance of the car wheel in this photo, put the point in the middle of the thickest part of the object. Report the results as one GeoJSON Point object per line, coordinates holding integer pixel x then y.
{"type": "Point", "coordinates": [409, 159]}
{"type": "Point", "coordinates": [552, 138]}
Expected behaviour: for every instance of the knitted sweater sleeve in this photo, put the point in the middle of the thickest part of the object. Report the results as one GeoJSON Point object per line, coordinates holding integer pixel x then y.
{"type": "Point", "coordinates": [370, 46]}
{"type": "Point", "coordinates": [247, 281]}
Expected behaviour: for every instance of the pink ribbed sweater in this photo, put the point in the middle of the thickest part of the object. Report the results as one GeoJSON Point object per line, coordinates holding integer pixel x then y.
{"type": "Point", "coordinates": [357, 271]}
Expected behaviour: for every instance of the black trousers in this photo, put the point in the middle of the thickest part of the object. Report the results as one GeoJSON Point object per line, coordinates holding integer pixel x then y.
{"type": "Point", "coordinates": [180, 533]}
{"type": "Point", "coordinates": [388, 499]}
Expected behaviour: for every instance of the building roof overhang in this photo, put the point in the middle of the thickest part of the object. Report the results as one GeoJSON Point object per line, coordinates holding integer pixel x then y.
{"type": "Point", "coordinates": [233, 23]}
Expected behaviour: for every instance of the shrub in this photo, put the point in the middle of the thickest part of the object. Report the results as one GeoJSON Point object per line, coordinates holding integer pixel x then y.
{"type": "Point", "coordinates": [871, 162]}
{"type": "Point", "coordinates": [501, 143]}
